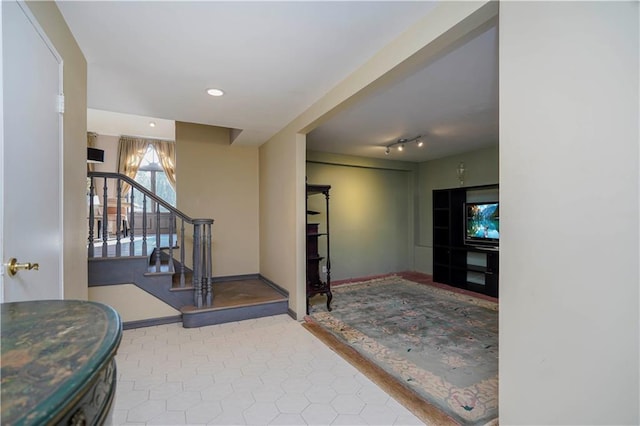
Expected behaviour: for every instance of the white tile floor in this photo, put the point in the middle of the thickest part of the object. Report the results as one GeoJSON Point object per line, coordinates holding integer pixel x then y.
{"type": "Point", "coordinates": [255, 372]}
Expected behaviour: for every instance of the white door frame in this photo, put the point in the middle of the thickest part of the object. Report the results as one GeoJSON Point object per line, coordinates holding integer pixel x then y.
{"type": "Point", "coordinates": [1, 163]}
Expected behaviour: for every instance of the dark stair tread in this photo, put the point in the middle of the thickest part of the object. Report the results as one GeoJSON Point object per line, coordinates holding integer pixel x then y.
{"type": "Point", "coordinates": [187, 279]}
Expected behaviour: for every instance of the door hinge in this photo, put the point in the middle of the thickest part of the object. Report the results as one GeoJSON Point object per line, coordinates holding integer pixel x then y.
{"type": "Point", "coordinates": [61, 104]}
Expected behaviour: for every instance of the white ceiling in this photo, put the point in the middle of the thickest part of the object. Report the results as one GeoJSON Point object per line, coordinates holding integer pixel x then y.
{"type": "Point", "coordinates": [274, 60]}
{"type": "Point", "coordinates": [118, 124]}
{"type": "Point", "coordinates": [452, 103]}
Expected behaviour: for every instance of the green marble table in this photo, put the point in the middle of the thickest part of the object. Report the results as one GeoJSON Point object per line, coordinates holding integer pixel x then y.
{"type": "Point", "coordinates": [57, 364]}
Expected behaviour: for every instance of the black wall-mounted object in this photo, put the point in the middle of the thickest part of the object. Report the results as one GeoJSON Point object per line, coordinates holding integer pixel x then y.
{"type": "Point", "coordinates": [95, 155]}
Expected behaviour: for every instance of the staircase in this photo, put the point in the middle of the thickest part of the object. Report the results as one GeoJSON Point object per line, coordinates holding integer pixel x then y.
{"type": "Point", "coordinates": [171, 264]}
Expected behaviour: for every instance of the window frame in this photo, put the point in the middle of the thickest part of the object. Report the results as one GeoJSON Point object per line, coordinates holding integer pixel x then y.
{"type": "Point", "coordinates": [153, 167]}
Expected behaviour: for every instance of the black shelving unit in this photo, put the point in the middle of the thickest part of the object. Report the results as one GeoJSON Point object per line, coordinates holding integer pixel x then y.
{"type": "Point", "coordinates": [315, 284]}
{"type": "Point", "coordinates": [454, 263]}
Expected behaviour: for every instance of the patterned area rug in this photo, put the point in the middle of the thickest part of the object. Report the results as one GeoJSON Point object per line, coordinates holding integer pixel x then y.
{"type": "Point", "coordinates": [442, 345]}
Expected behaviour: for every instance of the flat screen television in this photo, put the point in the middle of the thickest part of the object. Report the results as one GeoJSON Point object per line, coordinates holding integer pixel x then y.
{"type": "Point", "coordinates": [482, 223]}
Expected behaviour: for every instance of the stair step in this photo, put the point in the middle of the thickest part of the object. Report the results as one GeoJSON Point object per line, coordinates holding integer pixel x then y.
{"type": "Point", "coordinates": [233, 300]}
{"type": "Point", "coordinates": [236, 300]}
{"type": "Point", "coordinates": [185, 288]}
{"type": "Point", "coordinates": [164, 270]}
{"type": "Point", "coordinates": [188, 279]}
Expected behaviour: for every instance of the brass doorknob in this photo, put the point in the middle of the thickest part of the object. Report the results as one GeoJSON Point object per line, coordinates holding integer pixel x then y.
{"type": "Point", "coordinates": [13, 266]}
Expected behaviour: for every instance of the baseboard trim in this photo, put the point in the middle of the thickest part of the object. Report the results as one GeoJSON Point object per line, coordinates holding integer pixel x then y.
{"type": "Point", "coordinates": [424, 278]}
{"type": "Point", "coordinates": [235, 278]}
{"type": "Point", "coordinates": [360, 279]}
{"type": "Point", "coordinates": [129, 325]}
{"type": "Point", "coordinates": [192, 317]}
{"type": "Point", "coordinates": [275, 286]}
{"type": "Point", "coordinates": [292, 314]}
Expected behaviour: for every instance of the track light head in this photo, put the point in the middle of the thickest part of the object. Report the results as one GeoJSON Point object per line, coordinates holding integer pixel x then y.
{"type": "Point", "coordinates": [401, 142]}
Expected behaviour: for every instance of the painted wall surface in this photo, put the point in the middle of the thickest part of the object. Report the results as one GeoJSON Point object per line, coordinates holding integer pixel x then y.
{"type": "Point", "coordinates": [75, 151]}
{"type": "Point", "coordinates": [219, 181]}
{"type": "Point", "coordinates": [569, 296]}
{"type": "Point", "coordinates": [282, 241]}
{"type": "Point", "coordinates": [482, 168]}
{"type": "Point", "coordinates": [371, 224]}
{"type": "Point", "coordinates": [282, 158]}
{"type": "Point", "coordinates": [110, 146]}
{"type": "Point", "coordinates": [131, 302]}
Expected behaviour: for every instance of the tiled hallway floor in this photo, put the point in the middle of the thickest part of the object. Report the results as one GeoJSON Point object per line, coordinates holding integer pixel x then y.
{"type": "Point", "coordinates": [257, 372]}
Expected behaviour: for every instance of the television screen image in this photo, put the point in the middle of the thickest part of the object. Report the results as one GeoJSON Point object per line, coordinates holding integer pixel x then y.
{"type": "Point", "coordinates": [482, 223]}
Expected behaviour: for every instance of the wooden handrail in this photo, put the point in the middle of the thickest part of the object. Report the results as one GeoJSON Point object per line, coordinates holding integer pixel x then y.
{"type": "Point", "coordinates": [154, 197]}
{"type": "Point", "coordinates": [202, 256]}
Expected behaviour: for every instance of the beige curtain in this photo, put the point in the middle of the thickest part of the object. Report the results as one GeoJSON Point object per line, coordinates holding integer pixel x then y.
{"type": "Point", "coordinates": [167, 154]}
{"type": "Point", "coordinates": [91, 143]}
{"type": "Point", "coordinates": [130, 154]}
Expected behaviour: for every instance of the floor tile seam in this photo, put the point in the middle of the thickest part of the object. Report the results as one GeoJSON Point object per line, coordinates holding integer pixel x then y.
{"type": "Point", "coordinates": [132, 409]}
{"type": "Point", "coordinates": [133, 390]}
{"type": "Point", "coordinates": [164, 398]}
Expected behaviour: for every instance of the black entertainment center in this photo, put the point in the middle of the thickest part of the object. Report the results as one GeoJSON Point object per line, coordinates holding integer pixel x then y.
{"type": "Point", "coordinates": [466, 234]}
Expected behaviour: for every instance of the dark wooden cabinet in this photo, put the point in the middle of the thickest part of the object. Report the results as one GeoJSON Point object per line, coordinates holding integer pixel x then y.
{"type": "Point", "coordinates": [447, 230]}
{"type": "Point", "coordinates": [315, 259]}
{"type": "Point", "coordinates": [469, 267]}
{"type": "Point", "coordinates": [58, 362]}
{"type": "Point", "coordinates": [475, 269]}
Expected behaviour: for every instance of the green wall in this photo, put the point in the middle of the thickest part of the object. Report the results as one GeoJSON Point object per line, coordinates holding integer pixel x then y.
{"type": "Point", "coordinates": [381, 210]}
{"type": "Point", "coordinates": [371, 213]}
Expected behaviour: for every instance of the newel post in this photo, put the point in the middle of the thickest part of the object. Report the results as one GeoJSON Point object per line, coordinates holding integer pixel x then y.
{"type": "Point", "coordinates": [197, 268]}
{"type": "Point", "coordinates": [202, 261]}
{"type": "Point", "coordinates": [208, 261]}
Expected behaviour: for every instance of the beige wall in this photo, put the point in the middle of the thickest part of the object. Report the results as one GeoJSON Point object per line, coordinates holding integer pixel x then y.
{"type": "Point", "coordinates": [219, 181]}
{"type": "Point", "coordinates": [109, 144]}
{"type": "Point", "coordinates": [282, 243]}
{"type": "Point", "coordinates": [131, 302]}
{"type": "Point", "coordinates": [569, 248]}
{"type": "Point", "coordinates": [371, 213]}
{"type": "Point", "coordinates": [75, 151]}
{"type": "Point", "coordinates": [482, 168]}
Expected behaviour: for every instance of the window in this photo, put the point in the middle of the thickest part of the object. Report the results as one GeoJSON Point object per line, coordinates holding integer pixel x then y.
{"type": "Point", "coordinates": [152, 176]}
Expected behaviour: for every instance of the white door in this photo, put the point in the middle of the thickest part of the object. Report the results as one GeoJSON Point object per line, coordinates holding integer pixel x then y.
{"type": "Point", "coordinates": [31, 162]}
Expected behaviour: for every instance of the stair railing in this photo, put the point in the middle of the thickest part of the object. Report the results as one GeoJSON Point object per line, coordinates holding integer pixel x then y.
{"type": "Point", "coordinates": [201, 247]}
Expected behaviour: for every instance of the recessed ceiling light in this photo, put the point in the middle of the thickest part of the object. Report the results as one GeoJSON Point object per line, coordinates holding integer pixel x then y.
{"type": "Point", "coordinates": [215, 92]}
{"type": "Point", "coordinates": [152, 124]}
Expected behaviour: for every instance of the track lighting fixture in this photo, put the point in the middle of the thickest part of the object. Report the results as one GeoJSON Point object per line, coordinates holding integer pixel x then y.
{"type": "Point", "coordinates": [402, 142]}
